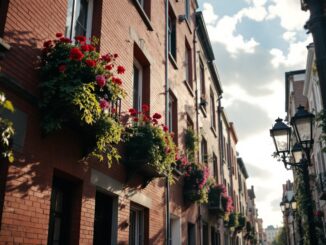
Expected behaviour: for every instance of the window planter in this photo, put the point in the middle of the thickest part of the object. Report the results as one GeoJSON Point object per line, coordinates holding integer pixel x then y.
{"type": "Point", "coordinates": [6, 130]}
{"type": "Point", "coordinates": [80, 89]}
{"type": "Point", "coordinates": [195, 188]}
{"type": "Point", "coordinates": [149, 148]}
{"type": "Point", "coordinates": [215, 200]}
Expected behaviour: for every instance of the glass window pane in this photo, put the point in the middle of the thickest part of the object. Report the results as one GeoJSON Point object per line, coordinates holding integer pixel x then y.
{"type": "Point", "coordinates": [136, 89]}
{"type": "Point", "coordinates": [69, 18]}
{"type": "Point", "coordinates": [57, 228]}
{"type": "Point", "coordinates": [81, 17]}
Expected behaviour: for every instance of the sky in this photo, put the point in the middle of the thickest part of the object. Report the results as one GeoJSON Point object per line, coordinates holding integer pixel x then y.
{"type": "Point", "coordinates": [255, 42]}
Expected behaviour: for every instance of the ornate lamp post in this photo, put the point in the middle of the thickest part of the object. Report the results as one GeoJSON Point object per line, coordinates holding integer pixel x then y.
{"type": "Point", "coordinates": [299, 156]}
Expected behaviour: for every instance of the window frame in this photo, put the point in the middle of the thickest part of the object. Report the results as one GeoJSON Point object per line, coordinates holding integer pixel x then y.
{"type": "Point", "coordinates": [172, 34]}
{"type": "Point", "coordinates": [187, 9]}
{"type": "Point", "coordinates": [140, 85]}
{"type": "Point", "coordinates": [212, 111]}
{"type": "Point", "coordinates": [140, 225]}
{"type": "Point", "coordinates": [89, 19]}
{"type": "Point", "coordinates": [204, 150]}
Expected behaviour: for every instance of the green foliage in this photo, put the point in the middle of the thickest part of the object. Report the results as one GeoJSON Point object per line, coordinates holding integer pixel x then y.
{"type": "Point", "coordinates": [146, 142]}
{"type": "Point", "coordinates": [241, 222]}
{"type": "Point", "coordinates": [6, 129]}
{"type": "Point", "coordinates": [233, 221]}
{"type": "Point", "coordinates": [79, 89]}
{"type": "Point", "coordinates": [196, 183]}
{"type": "Point", "coordinates": [280, 238]}
{"type": "Point", "coordinates": [321, 120]}
{"type": "Point", "coordinates": [191, 144]}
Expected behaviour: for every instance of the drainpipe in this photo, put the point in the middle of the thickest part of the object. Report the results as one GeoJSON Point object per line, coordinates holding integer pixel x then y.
{"type": "Point", "coordinates": [199, 220]}
{"type": "Point", "coordinates": [317, 26]}
{"type": "Point", "coordinates": [167, 87]}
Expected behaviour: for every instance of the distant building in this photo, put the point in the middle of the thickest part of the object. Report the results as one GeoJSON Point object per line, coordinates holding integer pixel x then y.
{"type": "Point", "coordinates": [271, 233]}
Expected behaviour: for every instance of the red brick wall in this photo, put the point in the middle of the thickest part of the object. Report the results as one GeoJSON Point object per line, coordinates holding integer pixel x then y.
{"type": "Point", "coordinates": [25, 216]}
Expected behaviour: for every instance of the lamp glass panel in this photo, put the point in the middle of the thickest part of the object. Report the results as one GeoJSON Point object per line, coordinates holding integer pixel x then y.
{"type": "Point", "coordinates": [287, 205]}
{"type": "Point", "coordinates": [297, 155]}
{"type": "Point", "coordinates": [282, 140]}
{"type": "Point", "coordinates": [282, 207]}
{"type": "Point", "coordinates": [294, 205]}
{"type": "Point", "coordinates": [303, 126]}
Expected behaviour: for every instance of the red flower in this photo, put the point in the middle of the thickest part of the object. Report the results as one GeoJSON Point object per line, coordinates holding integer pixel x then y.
{"type": "Point", "coordinates": [155, 122]}
{"type": "Point", "coordinates": [121, 70]}
{"type": "Point", "coordinates": [115, 55]}
{"type": "Point", "coordinates": [47, 44]}
{"type": "Point", "coordinates": [90, 63]}
{"type": "Point", "coordinates": [62, 68]}
{"type": "Point", "coordinates": [84, 48]}
{"type": "Point", "coordinates": [81, 39]}
{"type": "Point", "coordinates": [104, 104]}
{"type": "Point", "coordinates": [109, 67]}
{"type": "Point", "coordinates": [101, 81]}
{"type": "Point", "coordinates": [59, 34]}
{"type": "Point", "coordinates": [135, 119]}
{"type": "Point", "coordinates": [106, 57]}
{"type": "Point", "coordinates": [165, 128]}
{"type": "Point", "coordinates": [145, 107]}
{"type": "Point", "coordinates": [65, 40]}
{"type": "Point", "coordinates": [76, 54]}
{"type": "Point", "coordinates": [116, 80]}
{"type": "Point", "coordinates": [133, 112]}
{"type": "Point", "coordinates": [157, 116]}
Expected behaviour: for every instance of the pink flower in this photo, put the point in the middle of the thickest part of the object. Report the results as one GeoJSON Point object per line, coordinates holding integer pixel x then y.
{"type": "Point", "coordinates": [121, 70]}
{"type": "Point", "coordinates": [101, 81]}
{"type": "Point", "coordinates": [104, 104]}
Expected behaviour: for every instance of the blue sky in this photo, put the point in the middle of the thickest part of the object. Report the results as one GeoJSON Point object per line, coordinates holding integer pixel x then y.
{"type": "Point", "coordinates": [255, 42]}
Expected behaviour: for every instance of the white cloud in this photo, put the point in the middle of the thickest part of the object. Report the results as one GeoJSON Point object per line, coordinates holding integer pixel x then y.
{"type": "Point", "coordinates": [296, 55]}
{"type": "Point", "coordinates": [210, 16]}
{"type": "Point", "coordinates": [289, 36]}
{"type": "Point", "coordinates": [289, 12]}
{"type": "Point", "coordinates": [224, 31]}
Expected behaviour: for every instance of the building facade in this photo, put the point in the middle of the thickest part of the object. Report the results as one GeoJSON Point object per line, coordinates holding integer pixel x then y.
{"type": "Point", "coordinates": [48, 195]}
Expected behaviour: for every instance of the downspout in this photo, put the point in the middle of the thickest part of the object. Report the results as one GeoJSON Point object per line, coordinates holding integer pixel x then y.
{"type": "Point", "coordinates": [197, 122]}
{"type": "Point", "coordinates": [167, 87]}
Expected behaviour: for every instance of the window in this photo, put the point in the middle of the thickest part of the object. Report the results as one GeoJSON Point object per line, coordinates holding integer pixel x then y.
{"type": "Point", "coordinates": [64, 212]}
{"type": "Point", "coordinates": [172, 40]}
{"type": "Point", "coordinates": [79, 18]}
{"type": "Point", "coordinates": [103, 219]}
{"type": "Point", "coordinates": [204, 157]}
{"type": "Point", "coordinates": [203, 101]}
{"type": "Point", "coordinates": [188, 65]}
{"type": "Point", "coordinates": [187, 8]}
{"type": "Point", "coordinates": [205, 233]}
{"type": "Point", "coordinates": [136, 225]}
{"type": "Point", "coordinates": [212, 108]}
{"type": "Point", "coordinates": [173, 116]}
{"type": "Point", "coordinates": [215, 171]}
{"type": "Point", "coordinates": [137, 86]}
{"type": "Point", "coordinates": [141, 79]}
{"type": "Point", "coordinates": [175, 231]}
{"type": "Point", "coordinates": [191, 236]}
{"type": "Point", "coordinates": [190, 123]}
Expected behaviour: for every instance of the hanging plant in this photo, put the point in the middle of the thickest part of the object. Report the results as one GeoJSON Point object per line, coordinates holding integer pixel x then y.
{"type": "Point", "coordinates": [80, 89]}
{"type": "Point", "coordinates": [215, 194]}
{"type": "Point", "coordinates": [191, 143]}
{"type": "Point", "coordinates": [6, 129]}
{"type": "Point", "coordinates": [241, 222]}
{"type": "Point", "coordinates": [149, 143]}
{"type": "Point", "coordinates": [233, 221]}
{"type": "Point", "coordinates": [196, 183]}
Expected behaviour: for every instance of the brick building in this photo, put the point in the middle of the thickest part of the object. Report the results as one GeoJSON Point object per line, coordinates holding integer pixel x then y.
{"type": "Point", "coordinates": [49, 196]}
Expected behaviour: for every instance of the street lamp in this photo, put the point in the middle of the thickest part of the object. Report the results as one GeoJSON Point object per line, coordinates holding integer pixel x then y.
{"type": "Point", "coordinates": [299, 156]}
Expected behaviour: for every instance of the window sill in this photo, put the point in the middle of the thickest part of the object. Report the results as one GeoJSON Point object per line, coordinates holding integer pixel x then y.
{"type": "Point", "coordinates": [203, 109]}
{"type": "Point", "coordinates": [173, 61]}
{"type": "Point", "coordinates": [189, 88]}
{"type": "Point", "coordinates": [143, 15]}
{"type": "Point", "coordinates": [214, 131]}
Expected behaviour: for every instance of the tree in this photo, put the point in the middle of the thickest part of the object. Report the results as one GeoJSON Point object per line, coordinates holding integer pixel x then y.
{"type": "Point", "coordinates": [280, 238]}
